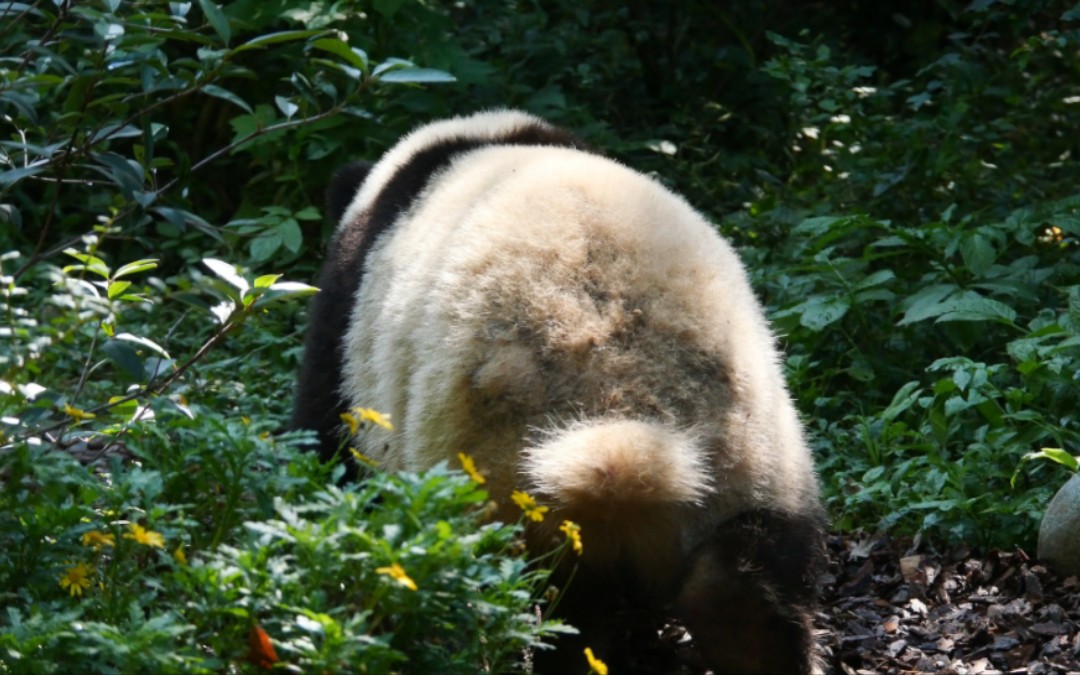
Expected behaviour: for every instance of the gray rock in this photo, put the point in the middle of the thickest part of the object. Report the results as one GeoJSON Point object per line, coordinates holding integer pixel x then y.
{"type": "Point", "coordinates": [1059, 535]}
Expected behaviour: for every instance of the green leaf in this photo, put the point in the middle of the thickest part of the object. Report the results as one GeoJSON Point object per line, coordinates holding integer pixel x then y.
{"type": "Point", "coordinates": [1056, 455]}
{"type": "Point", "coordinates": [266, 280]}
{"type": "Point", "coordinates": [819, 312]}
{"type": "Point", "coordinates": [226, 95]}
{"type": "Point", "coordinates": [902, 400]}
{"type": "Point", "coordinates": [969, 306]}
{"type": "Point", "coordinates": [16, 175]}
{"type": "Point", "coordinates": [417, 76]}
{"type": "Point", "coordinates": [124, 355]}
{"type": "Point", "coordinates": [264, 246]}
{"type": "Point", "coordinates": [117, 287]}
{"type": "Point", "coordinates": [978, 253]}
{"type": "Point", "coordinates": [144, 342]}
{"type": "Point", "coordinates": [89, 263]}
{"type": "Point", "coordinates": [287, 107]}
{"type": "Point", "coordinates": [135, 267]}
{"type": "Point", "coordinates": [277, 38]}
{"type": "Point", "coordinates": [876, 279]}
{"type": "Point", "coordinates": [227, 273]}
{"type": "Point", "coordinates": [291, 235]}
{"type": "Point", "coordinates": [356, 58]}
{"type": "Point", "coordinates": [217, 19]}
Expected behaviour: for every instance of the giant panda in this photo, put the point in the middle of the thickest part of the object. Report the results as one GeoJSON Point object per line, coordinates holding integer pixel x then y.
{"type": "Point", "coordinates": [500, 289]}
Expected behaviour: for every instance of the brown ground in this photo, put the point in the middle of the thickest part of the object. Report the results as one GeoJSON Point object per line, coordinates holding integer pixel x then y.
{"type": "Point", "coordinates": [888, 607]}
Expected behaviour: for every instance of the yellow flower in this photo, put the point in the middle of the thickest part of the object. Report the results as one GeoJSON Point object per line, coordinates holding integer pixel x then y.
{"type": "Point", "coordinates": [573, 533]}
{"type": "Point", "coordinates": [98, 539]}
{"type": "Point", "coordinates": [144, 536]}
{"type": "Point", "coordinates": [529, 505]}
{"type": "Point", "coordinates": [397, 573]}
{"type": "Point", "coordinates": [76, 414]}
{"type": "Point", "coordinates": [76, 579]}
{"type": "Point", "coordinates": [595, 665]}
{"type": "Point", "coordinates": [375, 417]}
{"type": "Point", "coordinates": [470, 468]}
{"type": "Point", "coordinates": [179, 555]}
{"type": "Point", "coordinates": [356, 416]}
{"type": "Point", "coordinates": [354, 424]}
{"type": "Point", "coordinates": [362, 458]}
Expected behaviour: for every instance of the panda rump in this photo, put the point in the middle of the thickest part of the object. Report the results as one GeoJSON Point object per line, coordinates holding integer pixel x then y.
{"type": "Point", "coordinates": [586, 336]}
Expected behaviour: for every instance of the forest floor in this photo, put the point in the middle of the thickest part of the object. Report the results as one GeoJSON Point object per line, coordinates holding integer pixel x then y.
{"type": "Point", "coordinates": [889, 608]}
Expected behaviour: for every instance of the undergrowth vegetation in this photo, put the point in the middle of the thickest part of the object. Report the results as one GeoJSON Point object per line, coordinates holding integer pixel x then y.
{"type": "Point", "coordinates": [903, 188]}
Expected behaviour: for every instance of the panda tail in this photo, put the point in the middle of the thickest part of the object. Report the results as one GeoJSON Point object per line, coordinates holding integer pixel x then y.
{"type": "Point", "coordinates": [607, 468]}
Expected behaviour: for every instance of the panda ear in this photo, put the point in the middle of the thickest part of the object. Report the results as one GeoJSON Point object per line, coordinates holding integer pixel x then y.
{"type": "Point", "coordinates": [343, 187]}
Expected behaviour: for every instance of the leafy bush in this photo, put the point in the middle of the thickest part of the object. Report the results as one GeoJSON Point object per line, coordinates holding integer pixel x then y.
{"type": "Point", "coordinates": [150, 568]}
{"type": "Point", "coordinates": [905, 197]}
{"type": "Point", "coordinates": [152, 518]}
{"type": "Point", "coordinates": [933, 333]}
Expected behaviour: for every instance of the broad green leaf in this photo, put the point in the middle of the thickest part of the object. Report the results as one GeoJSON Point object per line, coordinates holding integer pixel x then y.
{"type": "Point", "coordinates": [117, 287]}
{"type": "Point", "coordinates": [876, 279]}
{"type": "Point", "coordinates": [291, 235]}
{"type": "Point", "coordinates": [124, 355]}
{"type": "Point", "coordinates": [265, 245]}
{"type": "Point", "coordinates": [978, 253]}
{"type": "Point", "coordinates": [819, 312]}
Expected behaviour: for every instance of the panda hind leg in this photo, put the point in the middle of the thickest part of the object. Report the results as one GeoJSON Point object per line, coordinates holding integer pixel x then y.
{"type": "Point", "coordinates": [750, 593]}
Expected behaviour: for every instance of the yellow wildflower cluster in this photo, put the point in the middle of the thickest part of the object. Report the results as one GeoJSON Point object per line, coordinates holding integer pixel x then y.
{"type": "Point", "coordinates": [397, 573]}
{"type": "Point", "coordinates": [529, 505]}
